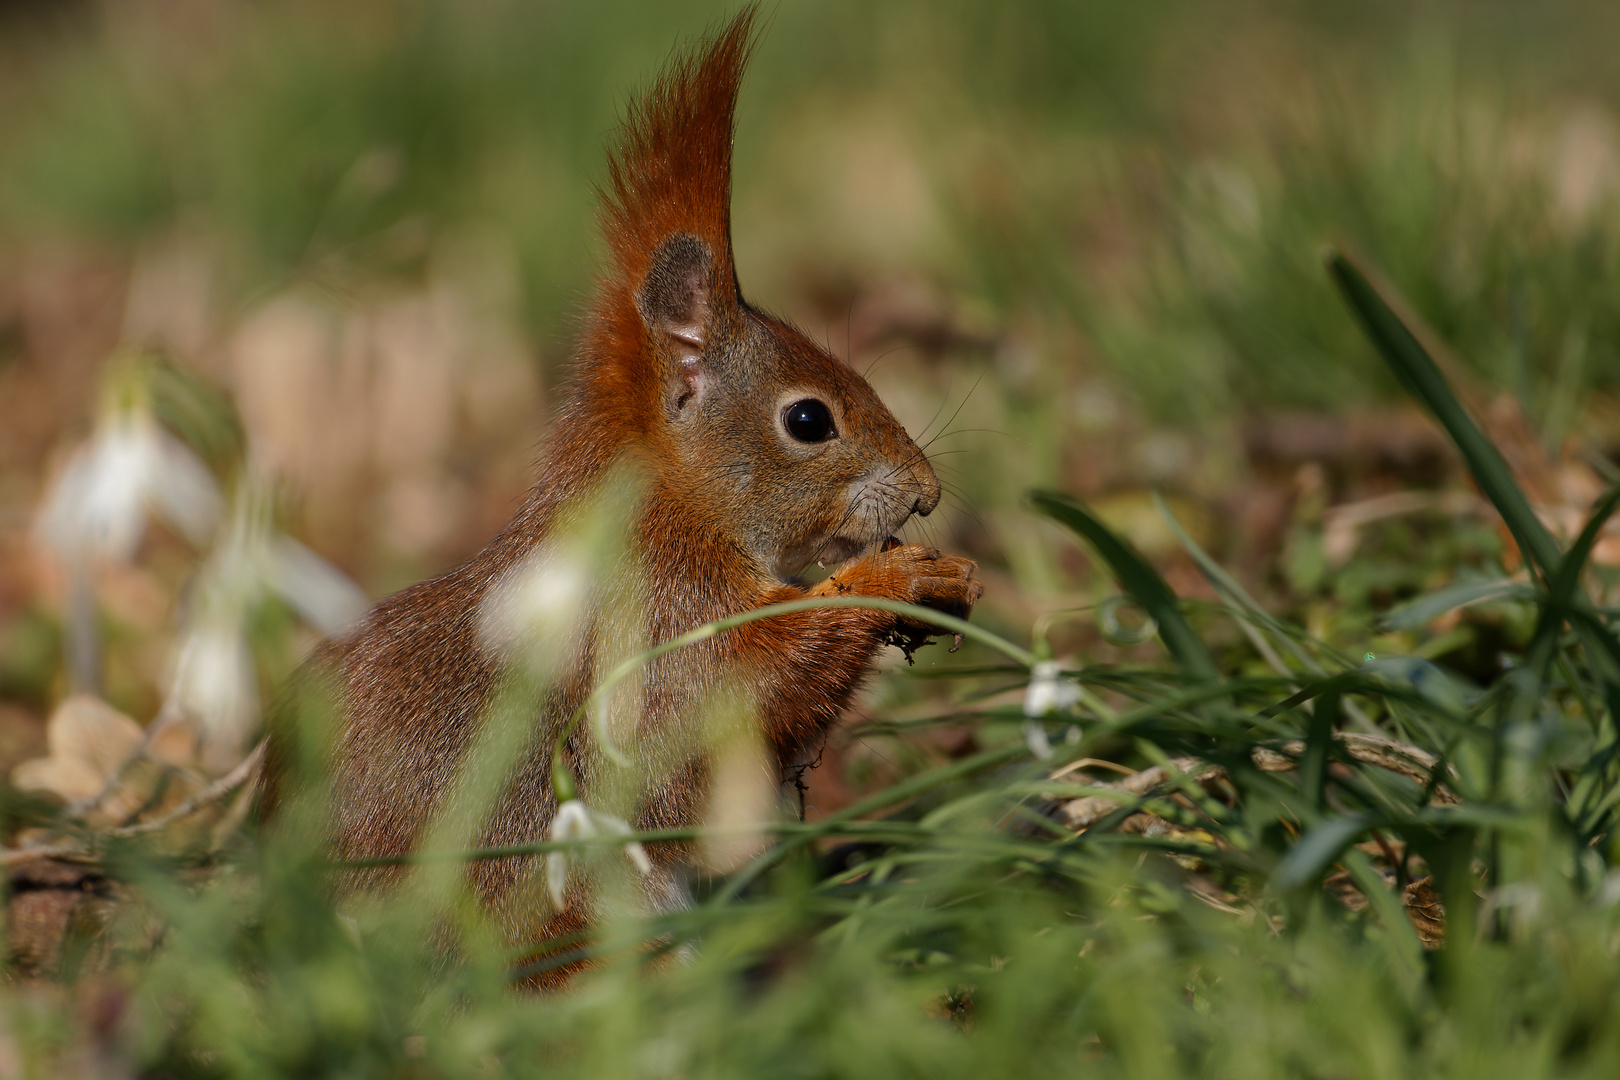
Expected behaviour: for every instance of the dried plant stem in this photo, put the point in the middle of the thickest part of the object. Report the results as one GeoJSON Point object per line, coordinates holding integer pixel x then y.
{"type": "Point", "coordinates": [85, 850]}
{"type": "Point", "coordinates": [210, 794]}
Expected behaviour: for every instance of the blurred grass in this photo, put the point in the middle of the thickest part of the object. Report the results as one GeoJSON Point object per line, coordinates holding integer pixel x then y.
{"type": "Point", "coordinates": [341, 145]}
{"type": "Point", "coordinates": [1079, 245]}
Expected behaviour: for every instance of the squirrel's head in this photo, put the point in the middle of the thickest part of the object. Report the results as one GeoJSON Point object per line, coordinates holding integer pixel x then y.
{"type": "Point", "coordinates": [775, 443]}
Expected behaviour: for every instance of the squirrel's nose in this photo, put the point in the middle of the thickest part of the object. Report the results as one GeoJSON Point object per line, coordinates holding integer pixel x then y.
{"type": "Point", "coordinates": [927, 489]}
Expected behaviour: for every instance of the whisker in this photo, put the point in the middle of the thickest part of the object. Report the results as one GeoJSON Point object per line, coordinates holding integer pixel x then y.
{"type": "Point", "coordinates": [884, 355]}
{"type": "Point", "coordinates": [849, 512]}
{"type": "Point", "coordinates": [968, 511]}
{"type": "Point", "coordinates": [972, 431]}
{"type": "Point", "coordinates": [957, 411]}
{"type": "Point", "coordinates": [923, 434]}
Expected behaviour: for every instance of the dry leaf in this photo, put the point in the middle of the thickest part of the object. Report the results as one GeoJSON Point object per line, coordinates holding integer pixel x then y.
{"type": "Point", "coordinates": [1427, 913]}
{"type": "Point", "coordinates": [173, 742]}
{"type": "Point", "coordinates": [89, 742]}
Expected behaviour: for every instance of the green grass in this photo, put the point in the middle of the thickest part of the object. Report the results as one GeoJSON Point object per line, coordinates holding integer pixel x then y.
{"type": "Point", "coordinates": [963, 930]}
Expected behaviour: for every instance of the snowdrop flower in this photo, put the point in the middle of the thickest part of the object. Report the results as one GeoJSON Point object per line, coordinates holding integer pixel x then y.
{"type": "Point", "coordinates": [1049, 691]}
{"type": "Point", "coordinates": [218, 685]}
{"type": "Point", "coordinates": [576, 821]}
{"type": "Point", "coordinates": [322, 594]}
{"type": "Point", "coordinates": [97, 508]}
{"type": "Point", "coordinates": [1035, 738]}
{"type": "Point", "coordinates": [216, 680]}
{"type": "Point", "coordinates": [253, 560]}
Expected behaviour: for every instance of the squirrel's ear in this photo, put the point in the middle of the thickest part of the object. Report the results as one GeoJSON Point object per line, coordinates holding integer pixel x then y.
{"type": "Point", "coordinates": [674, 296]}
{"type": "Point", "coordinates": [666, 213]}
{"type": "Point", "coordinates": [675, 303]}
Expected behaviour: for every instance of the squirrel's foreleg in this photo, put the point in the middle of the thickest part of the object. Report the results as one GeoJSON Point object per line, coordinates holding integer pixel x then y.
{"type": "Point", "coordinates": [806, 666]}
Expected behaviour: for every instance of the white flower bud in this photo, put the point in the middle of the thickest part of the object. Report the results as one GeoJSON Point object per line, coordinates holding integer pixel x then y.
{"type": "Point", "coordinates": [218, 686]}
{"type": "Point", "coordinates": [537, 602]}
{"type": "Point", "coordinates": [576, 821]}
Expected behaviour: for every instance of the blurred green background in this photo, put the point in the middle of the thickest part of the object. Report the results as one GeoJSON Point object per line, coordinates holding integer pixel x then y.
{"type": "Point", "coordinates": [1075, 245]}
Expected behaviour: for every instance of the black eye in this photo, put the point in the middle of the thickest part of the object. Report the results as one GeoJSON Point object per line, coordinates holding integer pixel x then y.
{"type": "Point", "coordinates": [808, 421]}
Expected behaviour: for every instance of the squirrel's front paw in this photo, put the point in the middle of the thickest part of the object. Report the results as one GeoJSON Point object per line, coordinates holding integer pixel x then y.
{"type": "Point", "coordinates": [914, 574]}
{"type": "Point", "coordinates": [935, 580]}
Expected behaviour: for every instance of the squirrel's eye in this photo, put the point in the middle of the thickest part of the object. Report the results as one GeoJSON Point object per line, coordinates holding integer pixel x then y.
{"type": "Point", "coordinates": [808, 421]}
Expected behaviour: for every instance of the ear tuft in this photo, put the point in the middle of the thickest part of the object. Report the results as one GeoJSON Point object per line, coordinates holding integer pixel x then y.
{"type": "Point", "coordinates": [670, 290]}
{"type": "Point", "coordinates": [671, 171]}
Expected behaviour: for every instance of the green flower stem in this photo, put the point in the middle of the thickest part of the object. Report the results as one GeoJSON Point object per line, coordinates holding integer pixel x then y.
{"type": "Point", "coordinates": [840, 824]}
{"type": "Point", "coordinates": [630, 666]}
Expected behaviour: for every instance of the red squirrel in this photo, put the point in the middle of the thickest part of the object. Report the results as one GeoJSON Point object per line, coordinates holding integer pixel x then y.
{"type": "Point", "coordinates": [759, 453]}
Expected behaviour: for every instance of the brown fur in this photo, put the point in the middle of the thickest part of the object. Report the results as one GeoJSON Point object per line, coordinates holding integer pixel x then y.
{"type": "Point", "coordinates": [678, 376]}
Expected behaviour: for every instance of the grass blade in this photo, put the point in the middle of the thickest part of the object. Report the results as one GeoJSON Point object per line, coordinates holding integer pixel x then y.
{"type": "Point", "coordinates": [1307, 860]}
{"type": "Point", "coordinates": [1137, 578]}
{"type": "Point", "coordinates": [1421, 377]}
{"type": "Point", "coordinates": [1564, 596]}
{"type": "Point", "coordinates": [1238, 598]}
{"type": "Point", "coordinates": [1423, 610]}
